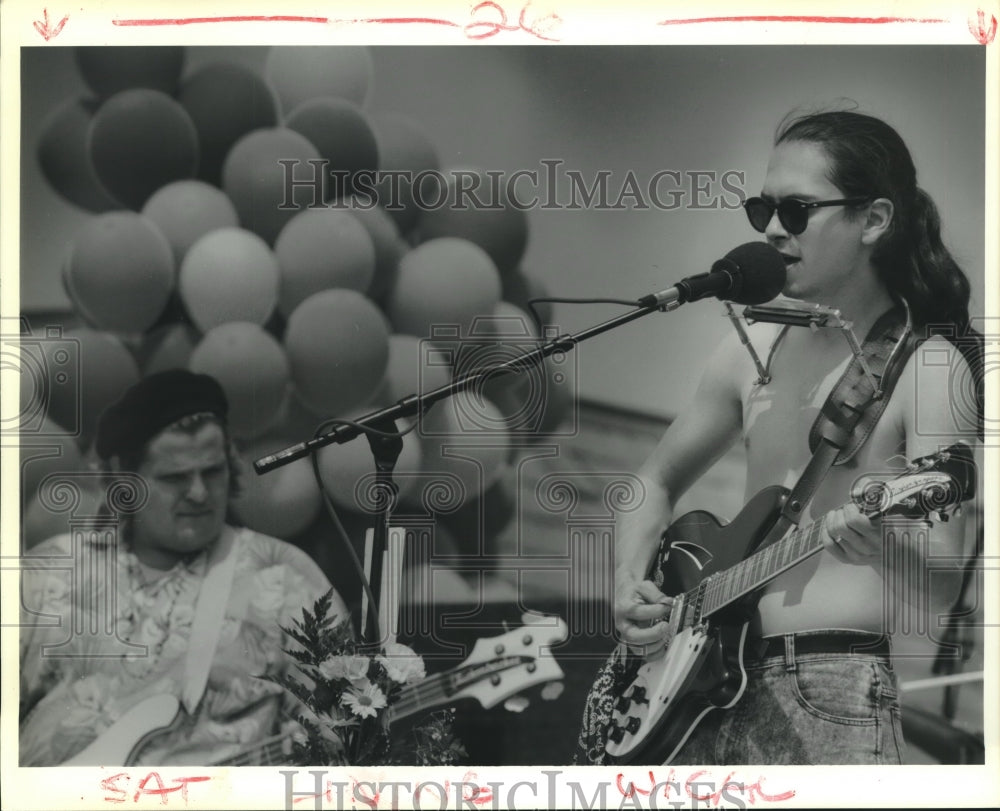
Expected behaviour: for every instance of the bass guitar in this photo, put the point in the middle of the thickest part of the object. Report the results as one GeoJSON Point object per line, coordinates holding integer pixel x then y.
{"type": "Point", "coordinates": [713, 572]}
{"type": "Point", "coordinates": [496, 669]}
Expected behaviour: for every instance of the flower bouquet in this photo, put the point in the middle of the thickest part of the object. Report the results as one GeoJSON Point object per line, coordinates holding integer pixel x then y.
{"type": "Point", "coordinates": [346, 692]}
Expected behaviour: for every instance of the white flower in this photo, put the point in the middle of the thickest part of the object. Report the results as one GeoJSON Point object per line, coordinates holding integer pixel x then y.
{"type": "Point", "coordinates": [182, 616]}
{"type": "Point", "coordinates": [88, 693]}
{"type": "Point", "coordinates": [229, 631]}
{"type": "Point", "coordinates": [401, 663]}
{"type": "Point", "coordinates": [55, 590]}
{"type": "Point", "coordinates": [268, 593]}
{"type": "Point", "coordinates": [344, 667]}
{"type": "Point", "coordinates": [151, 632]}
{"type": "Point", "coordinates": [366, 701]}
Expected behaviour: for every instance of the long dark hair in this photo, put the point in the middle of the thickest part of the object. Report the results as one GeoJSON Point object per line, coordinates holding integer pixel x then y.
{"type": "Point", "coordinates": [868, 158]}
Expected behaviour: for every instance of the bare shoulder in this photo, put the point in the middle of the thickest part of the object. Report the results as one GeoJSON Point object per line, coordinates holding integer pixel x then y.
{"type": "Point", "coordinates": [711, 420]}
{"type": "Point", "coordinates": [935, 398]}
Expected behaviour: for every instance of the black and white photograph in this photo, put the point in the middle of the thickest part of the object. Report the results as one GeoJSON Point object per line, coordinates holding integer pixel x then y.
{"type": "Point", "coordinates": [474, 408]}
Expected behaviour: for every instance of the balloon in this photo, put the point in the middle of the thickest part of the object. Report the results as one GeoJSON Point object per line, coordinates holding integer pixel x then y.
{"type": "Point", "coordinates": [120, 272]}
{"type": "Point", "coordinates": [389, 246]}
{"type": "Point", "coordinates": [225, 102]}
{"type": "Point", "coordinates": [465, 436]}
{"type": "Point", "coordinates": [64, 156]}
{"type": "Point", "coordinates": [443, 284]}
{"type": "Point", "coordinates": [84, 372]}
{"type": "Point", "coordinates": [187, 210]}
{"type": "Point", "coordinates": [505, 336]}
{"type": "Point", "coordinates": [343, 468]}
{"type": "Point", "coordinates": [403, 147]}
{"type": "Point", "coordinates": [302, 73]}
{"type": "Point", "coordinates": [283, 502]}
{"type": "Point", "coordinates": [141, 140]}
{"type": "Point", "coordinates": [414, 367]}
{"type": "Point", "coordinates": [295, 419]}
{"type": "Point", "coordinates": [167, 347]}
{"type": "Point", "coordinates": [252, 369]}
{"type": "Point", "coordinates": [52, 450]}
{"type": "Point", "coordinates": [519, 287]}
{"type": "Point", "coordinates": [542, 401]}
{"type": "Point", "coordinates": [482, 214]}
{"type": "Point", "coordinates": [338, 346]}
{"type": "Point", "coordinates": [256, 181]}
{"type": "Point", "coordinates": [320, 249]}
{"type": "Point", "coordinates": [109, 69]}
{"type": "Point", "coordinates": [229, 275]}
{"type": "Point", "coordinates": [343, 136]}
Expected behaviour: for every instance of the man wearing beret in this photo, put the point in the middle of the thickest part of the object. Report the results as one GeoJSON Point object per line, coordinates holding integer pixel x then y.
{"type": "Point", "coordinates": [197, 602]}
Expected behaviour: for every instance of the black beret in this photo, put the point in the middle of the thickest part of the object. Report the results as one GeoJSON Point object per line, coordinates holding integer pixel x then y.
{"type": "Point", "coordinates": [151, 405]}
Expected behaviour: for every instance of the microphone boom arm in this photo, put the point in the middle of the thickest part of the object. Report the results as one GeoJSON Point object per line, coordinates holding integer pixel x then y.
{"type": "Point", "coordinates": [419, 403]}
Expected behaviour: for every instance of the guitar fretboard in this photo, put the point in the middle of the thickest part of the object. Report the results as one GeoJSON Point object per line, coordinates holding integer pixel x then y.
{"type": "Point", "coordinates": [724, 588]}
{"type": "Point", "coordinates": [431, 692]}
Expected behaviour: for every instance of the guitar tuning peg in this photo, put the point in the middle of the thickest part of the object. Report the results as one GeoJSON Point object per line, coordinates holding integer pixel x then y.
{"type": "Point", "coordinates": [516, 704]}
{"type": "Point", "coordinates": [505, 626]}
{"type": "Point", "coordinates": [552, 690]}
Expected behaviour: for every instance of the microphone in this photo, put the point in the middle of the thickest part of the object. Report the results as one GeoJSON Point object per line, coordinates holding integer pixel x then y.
{"type": "Point", "coordinates": [752, 273]}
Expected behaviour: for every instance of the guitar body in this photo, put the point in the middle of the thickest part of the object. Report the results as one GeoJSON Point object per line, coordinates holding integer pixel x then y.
{"type": "Point", "coordinates": [497, 668]}
{"type": "Point", "coordinates": [126, 737]}
{"type": "Point", "coordinates": [702, 667]}
{"type": "Point", "coordinates": [715, 572]}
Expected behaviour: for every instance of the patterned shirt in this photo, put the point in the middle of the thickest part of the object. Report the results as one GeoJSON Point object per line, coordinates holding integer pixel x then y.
{"type": "Point", "coordinates": [86, 660]}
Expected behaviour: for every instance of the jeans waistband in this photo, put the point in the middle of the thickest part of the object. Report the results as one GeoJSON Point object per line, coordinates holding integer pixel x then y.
{"type": "Point", "coordinates": [837, 642]}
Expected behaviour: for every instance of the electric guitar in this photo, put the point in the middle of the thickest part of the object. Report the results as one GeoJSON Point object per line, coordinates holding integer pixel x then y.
{"type": "Point", "coordinates": [497, 668]}
{"type": "Point", "coordinates": [713, 571]}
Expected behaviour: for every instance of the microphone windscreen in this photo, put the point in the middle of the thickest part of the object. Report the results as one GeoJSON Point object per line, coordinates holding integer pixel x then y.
{"type": "Point", "coordinates": [759, 273]}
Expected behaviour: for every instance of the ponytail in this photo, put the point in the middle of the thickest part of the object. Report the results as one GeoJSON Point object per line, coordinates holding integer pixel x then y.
{"type": "Point", "coordinates": [914, 263]}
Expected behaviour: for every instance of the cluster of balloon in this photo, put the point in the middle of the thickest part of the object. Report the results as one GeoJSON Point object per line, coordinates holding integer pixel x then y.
{"type": "Point", "coordinates": [235, 230]}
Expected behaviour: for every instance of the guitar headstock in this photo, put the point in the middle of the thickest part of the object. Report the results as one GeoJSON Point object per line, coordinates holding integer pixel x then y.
{"type": "Point", "coordinates": [935, 484]}
{"type": "Point", "coordinates": [502, 666]}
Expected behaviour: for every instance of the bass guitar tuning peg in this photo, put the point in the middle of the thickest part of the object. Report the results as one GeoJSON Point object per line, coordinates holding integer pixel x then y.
{"type": "Point", "coordinates": [552, 690]}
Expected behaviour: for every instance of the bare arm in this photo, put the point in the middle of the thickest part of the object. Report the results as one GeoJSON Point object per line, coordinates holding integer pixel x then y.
{"type": "Point", "coordinates": [928, 403]}
{"type": "Point", "coordinates": [692, 443]}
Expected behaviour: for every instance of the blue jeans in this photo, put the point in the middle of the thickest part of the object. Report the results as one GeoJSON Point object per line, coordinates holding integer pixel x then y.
{"type": "Point", "coordinates": [817, 708]}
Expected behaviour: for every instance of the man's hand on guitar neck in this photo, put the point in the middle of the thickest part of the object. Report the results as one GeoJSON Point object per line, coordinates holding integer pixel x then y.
{"type": "Point", "coordinates": [642, 614]}
{"type": "Point", "coordinates": [851, 536]}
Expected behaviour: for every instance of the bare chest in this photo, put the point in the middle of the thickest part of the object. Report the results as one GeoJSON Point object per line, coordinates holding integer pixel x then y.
{"type": "Point", "coordinates": [779, 415]}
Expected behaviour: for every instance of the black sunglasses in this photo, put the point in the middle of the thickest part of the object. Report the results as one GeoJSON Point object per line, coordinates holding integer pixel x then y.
{"type": "Point", "coordinates": [792, 214]}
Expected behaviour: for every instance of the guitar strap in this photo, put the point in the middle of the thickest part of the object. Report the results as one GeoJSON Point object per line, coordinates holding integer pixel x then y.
{"type": "Point", "coordinates": [208, 616]}
{"type": "Point", "coordinates": [853, 407]}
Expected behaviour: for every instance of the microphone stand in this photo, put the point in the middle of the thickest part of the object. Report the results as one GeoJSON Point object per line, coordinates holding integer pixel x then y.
{"type": "Point", "coordinates": [386, 450]}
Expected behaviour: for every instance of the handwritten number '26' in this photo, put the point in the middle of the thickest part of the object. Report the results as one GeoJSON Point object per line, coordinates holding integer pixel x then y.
{"type": "Point", "coordinates": [485, 28]}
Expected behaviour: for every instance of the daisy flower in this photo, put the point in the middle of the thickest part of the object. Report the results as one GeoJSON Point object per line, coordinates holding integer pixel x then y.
{"type": "Point", "coordinates": [365, 702]}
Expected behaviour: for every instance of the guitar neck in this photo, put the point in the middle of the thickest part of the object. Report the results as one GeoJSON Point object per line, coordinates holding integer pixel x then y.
{"type": "Point", "coordinates": [727, 587]}
{"type": "Point", "coordinates": [431, 692]}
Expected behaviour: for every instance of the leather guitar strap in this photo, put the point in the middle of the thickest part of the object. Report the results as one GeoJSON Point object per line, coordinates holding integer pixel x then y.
{"type": "Point", "coordinates": [851, 410]}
